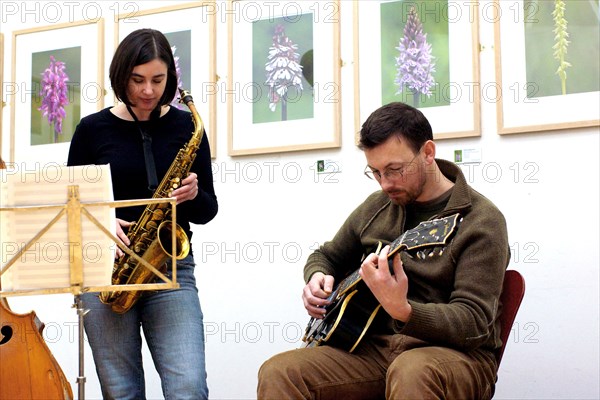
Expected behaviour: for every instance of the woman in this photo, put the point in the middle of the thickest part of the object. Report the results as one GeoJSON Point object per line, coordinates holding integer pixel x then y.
{"type": "Point", "coordinates": [144, 79]}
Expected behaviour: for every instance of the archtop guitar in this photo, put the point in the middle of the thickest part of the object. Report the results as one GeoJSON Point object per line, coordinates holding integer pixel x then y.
{"type": "Point", "coordinates": [352, 307]}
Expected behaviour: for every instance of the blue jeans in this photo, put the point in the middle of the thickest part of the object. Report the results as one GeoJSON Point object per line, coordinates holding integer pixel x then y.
{"type": "Point", "coordinates": [173, 328]}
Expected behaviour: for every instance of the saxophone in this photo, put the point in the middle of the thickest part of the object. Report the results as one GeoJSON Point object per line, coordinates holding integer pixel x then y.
{"type": "Point", "coordinates": [151, 235]}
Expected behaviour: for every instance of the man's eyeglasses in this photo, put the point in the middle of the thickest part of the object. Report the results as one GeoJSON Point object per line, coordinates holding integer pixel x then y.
{"type": "Point", "coordinates": [389, 173]}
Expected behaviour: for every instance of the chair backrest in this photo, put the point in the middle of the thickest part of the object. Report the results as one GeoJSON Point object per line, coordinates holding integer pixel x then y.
{"type": "Point", "coordinates": [511, 296]}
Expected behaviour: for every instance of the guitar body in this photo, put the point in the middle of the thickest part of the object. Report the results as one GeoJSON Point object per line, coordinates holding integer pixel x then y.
{"type": "Point", "coordinates": [352, 307]}
{"type": "Point", "coordinates": [345, 324]}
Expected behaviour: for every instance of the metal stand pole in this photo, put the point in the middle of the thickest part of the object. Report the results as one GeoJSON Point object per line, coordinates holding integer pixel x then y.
{"type": "Point", "coordinates": [81, 378]}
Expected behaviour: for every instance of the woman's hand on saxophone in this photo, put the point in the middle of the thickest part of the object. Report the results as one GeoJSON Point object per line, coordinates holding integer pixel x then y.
{"type": "Point", "coordinates": [122, 236]}
{"type": "Point", "coordinates": [188, 189]}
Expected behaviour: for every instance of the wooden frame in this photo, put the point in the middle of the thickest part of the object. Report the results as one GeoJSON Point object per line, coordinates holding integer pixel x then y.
{"type": "Point", "coordinates": [529, 96]}
{"type": "Point", "coordinates": [303, 115]}
{"type": "Point", "coordinates": [187, 26]}
{"type": "Point", "coordinates": [32, 138]}
{"type": "Point", "coordinates": [1, 90]}
{"type": "Point", "coordinates": [453, 108]}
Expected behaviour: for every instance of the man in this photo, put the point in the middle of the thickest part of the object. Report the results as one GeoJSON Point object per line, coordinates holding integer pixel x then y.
{"type": "Point", "coordinates": [439, 327]}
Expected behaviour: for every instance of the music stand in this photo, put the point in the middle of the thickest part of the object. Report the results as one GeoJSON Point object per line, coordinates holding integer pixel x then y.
{"type": "Point", "coordinates": [74, 280]}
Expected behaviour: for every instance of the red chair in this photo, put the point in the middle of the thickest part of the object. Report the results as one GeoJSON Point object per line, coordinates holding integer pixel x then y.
{"type": "Point", "coordinates": [511, 296]}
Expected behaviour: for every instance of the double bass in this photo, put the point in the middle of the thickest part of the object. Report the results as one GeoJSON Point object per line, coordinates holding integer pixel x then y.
{"type": "Point", "coordinates": [28, 370]}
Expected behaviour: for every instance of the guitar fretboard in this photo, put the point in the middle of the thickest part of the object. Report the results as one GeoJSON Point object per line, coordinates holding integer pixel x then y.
{"type": "Point", "coordinates": [344, 285]}
{"type": "Point", "coordinates": [426, 234]}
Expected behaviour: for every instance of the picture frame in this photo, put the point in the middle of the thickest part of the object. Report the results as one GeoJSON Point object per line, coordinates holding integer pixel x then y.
{"type": "Point", "coordinates": [186, 26]}
{"type": "Point", "coordinates": [530, 94]}
{"type": "Point", "coordinates": [454, 100]}
{"type": "Point", "coordinates": [78, 61]}
{"type": "Point", "coordinates": [1, 91]}
{"type": "Point", "coordinates": [284, 70]}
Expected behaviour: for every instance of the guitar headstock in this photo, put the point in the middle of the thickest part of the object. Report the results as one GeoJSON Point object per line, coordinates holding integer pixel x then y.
{"type": "Point", "coordinates": [435, 233]}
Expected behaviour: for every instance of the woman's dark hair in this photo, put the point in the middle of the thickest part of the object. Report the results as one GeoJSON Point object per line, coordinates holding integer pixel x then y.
{"type": "Point", "coordinates": [397, 119]}
{"type": "Point", "coordinates": [139, 47]}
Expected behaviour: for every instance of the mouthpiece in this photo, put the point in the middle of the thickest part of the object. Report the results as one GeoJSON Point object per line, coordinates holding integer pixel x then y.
{"type": "Point", "coordinates": [186, 96]}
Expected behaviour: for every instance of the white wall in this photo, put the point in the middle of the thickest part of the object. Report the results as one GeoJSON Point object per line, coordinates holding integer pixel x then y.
{"type": "Point", "coordinates": [274, 210]}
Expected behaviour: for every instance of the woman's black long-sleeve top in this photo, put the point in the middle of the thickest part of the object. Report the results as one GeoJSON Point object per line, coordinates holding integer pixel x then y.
{"type": "Point", "coordinates": [103, 138]}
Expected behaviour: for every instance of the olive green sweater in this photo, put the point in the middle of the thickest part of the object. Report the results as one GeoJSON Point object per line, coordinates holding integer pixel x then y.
{"type": "Point", "coordinates": [455, 295]}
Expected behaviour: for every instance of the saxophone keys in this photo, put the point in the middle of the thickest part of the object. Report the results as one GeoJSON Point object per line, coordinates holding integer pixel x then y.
{"type": "Point", "coordinates": [151, 225]}
{"type": "Point", "coordinates": [123, 272]}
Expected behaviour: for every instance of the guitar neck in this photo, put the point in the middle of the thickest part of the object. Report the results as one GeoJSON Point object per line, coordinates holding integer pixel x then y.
{"type": "Point", "coordinates": [427, 234]}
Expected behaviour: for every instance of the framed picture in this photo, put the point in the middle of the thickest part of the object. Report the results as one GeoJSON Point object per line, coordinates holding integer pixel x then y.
{"type": "Point", "coordinates": [59, 72]}
{"type": "Point", "coordinates": [283, 86]}
{"type": "Point", "coordinates": [547, 65]}
{"type": "Point", "coordinates": [187, 26]}
{"type": "Point", "coordinates": [415, 52]}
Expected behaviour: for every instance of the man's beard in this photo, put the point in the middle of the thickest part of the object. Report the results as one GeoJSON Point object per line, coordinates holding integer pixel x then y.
{"type": "Point", "coordinates": [404, 197]}
{"type": "Point", "coordinates": [401, 198]}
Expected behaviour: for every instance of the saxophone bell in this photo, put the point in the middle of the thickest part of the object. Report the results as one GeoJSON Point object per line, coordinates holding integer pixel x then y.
{"type": "Point", "coordinates": [157, 254]}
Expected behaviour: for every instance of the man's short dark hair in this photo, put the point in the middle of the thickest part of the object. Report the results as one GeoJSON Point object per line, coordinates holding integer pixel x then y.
{"type": "Point", "coordinates": [140, 47]}
{"type": "Point", "coordinates": [397, 119]}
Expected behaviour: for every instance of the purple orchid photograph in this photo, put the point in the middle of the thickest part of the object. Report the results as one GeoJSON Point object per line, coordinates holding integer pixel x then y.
{"type": "Point", "coordinates": [415, 63]}
{"type": "Point", "coordinates": [56, 87]}
{"type": "Point", "coordinates": [282, 69]}
{"type": "Point", "coordinates": [414, 55]}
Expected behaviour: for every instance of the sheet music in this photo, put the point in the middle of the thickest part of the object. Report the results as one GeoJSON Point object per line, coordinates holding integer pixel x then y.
{"type": "Point", "coordinates": [46, 264]}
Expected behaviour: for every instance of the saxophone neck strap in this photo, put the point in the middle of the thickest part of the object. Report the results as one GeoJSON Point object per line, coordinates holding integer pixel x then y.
{"type": "Point", "coordinates": [148, 155]}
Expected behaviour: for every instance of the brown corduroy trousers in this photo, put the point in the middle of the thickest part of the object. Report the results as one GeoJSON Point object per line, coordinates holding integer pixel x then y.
{"type": "Point", "coordinates": [392, 367]}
